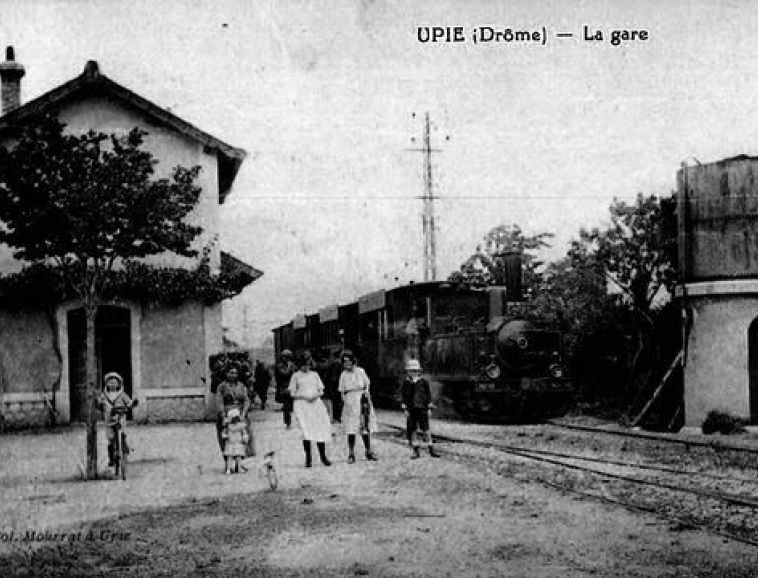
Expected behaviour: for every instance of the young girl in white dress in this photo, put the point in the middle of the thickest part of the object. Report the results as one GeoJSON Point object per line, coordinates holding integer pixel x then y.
{"type": "Point", "coordinates": [358, 415]}
{"type": "Point", "coordinates": [306, 389]}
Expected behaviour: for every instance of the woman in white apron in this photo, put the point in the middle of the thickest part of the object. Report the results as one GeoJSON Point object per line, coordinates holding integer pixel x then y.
{"type": "Point", "coordinates": [306, 389]}
{"type": "Point", "coordinates": [358, 415]}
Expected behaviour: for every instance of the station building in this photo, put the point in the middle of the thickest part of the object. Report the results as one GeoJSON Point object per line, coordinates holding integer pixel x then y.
{"type": "Point", "coordinates": [162, 352]}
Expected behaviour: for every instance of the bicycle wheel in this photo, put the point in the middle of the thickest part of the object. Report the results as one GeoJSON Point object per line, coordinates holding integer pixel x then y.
{"type": "Point", "coordinates": [122, 455]}
{"type": "Point", "coordinates": [116, 456]}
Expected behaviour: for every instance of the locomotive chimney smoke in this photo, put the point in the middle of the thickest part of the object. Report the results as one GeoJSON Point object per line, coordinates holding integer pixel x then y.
{"type": "Point", "coordinates": [11, 73]}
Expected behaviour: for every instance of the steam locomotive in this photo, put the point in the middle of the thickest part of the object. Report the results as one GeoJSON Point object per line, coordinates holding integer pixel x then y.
{"type": "Point", "coordinates": [481, 363]}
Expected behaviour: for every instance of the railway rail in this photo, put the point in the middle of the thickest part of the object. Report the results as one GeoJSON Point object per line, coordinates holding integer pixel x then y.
{"type": "Point", "coordinates": [578, 464]}
{"type": "Point", "coordinates": [712, 444]}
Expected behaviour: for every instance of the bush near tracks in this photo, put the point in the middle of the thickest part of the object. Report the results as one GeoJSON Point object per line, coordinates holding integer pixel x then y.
{"type": "Point", "coordinates": [720, 422]}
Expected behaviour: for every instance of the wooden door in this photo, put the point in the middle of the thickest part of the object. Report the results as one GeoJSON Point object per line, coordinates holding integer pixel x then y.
{"type": "Point", "coordinates": [752, 344]}
{"type": "Point", "coordinates": [112, 351]}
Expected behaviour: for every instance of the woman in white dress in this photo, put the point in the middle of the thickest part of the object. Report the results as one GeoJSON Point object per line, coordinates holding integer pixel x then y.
{"type": "Point", "coordinates": [358, 415]}
{"type": "Point", "coordinates": [306, 389]}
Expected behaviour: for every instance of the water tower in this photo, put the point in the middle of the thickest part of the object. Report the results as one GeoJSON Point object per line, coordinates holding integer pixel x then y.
{"type": "Point", "coordinates": [717, 206]}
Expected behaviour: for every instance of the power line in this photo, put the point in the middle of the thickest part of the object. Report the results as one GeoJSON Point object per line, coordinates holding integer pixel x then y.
{"type": "Point", "coordinates": [355, 199]}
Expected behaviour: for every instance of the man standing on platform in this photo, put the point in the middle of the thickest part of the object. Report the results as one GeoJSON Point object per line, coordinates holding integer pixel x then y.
{"type": "Point", "coordinates": [283, 374]}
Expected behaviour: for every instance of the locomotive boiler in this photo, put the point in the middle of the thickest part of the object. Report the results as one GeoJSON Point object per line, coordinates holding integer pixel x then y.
{"type": "Point", "coordinates": [520, 376]}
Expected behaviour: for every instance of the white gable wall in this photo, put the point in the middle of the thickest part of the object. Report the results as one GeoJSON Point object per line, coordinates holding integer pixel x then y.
{"type": "Point", "coordinates": [170, 346]}
{"type": "Point", "coordinates": [171, 148]}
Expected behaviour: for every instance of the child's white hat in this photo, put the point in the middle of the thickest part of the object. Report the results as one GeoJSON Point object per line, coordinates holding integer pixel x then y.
{"type": "Point", "coordinates": [412, 365]}
{"type": "Point", "coordinates": [114, 375]}
{"type": "Point", "coordinates": [232, 413]}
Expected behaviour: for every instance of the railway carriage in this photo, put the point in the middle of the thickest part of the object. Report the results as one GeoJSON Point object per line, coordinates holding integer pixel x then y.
{"type": "Point", "coordinates": [481, 363]}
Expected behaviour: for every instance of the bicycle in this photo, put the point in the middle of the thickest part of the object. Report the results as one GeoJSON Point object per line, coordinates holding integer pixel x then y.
{"type": "Point", "coordinates": [268, 464]}
{"type": "Point", "coordinates": [120, 448]}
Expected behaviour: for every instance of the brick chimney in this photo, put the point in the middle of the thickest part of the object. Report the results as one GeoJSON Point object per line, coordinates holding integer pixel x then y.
{"type": "Point", "coordinates": [11, 73]}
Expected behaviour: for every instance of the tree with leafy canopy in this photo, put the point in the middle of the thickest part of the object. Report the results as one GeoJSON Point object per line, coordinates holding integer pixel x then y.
{"type": "Point", "coordinates": [573, 297]}
{"type": "Point", "coordinates": [635, 255]}
{"type": "Point", "coordinates": [84, 204]}
{"type": "Point", "coordinates": [638, 250]}
{"type": "Point", "coordinates": [484, 267]}
{"type": "Point", "coordinates": [572, 292]}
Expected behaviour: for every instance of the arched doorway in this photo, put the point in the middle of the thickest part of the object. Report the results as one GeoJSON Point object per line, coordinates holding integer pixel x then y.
{"type": "Point", "coordinates": [112, 352]}
{"type": "Point", "coordinates": [752, 345]}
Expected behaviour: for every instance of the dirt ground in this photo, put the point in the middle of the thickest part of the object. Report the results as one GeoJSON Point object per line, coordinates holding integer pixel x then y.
{"type": "Point", "coordinates": [179, 515]}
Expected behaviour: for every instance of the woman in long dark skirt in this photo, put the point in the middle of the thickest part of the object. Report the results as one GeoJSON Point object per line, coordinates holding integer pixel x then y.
{"type": "Point", "coordinates": [231, 393]}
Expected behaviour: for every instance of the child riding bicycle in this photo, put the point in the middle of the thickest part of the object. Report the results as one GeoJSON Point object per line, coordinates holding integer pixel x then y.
{"type": "Point", "coordinates": [112, 400]}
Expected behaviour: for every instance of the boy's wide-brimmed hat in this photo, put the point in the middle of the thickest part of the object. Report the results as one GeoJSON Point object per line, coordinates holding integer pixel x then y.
{"type": "Point", "coordinates": [286, 353]}
{"type": "Point", "coordinates": [412, 365]}
{"type": "Point", "coordinates": [232, 413]}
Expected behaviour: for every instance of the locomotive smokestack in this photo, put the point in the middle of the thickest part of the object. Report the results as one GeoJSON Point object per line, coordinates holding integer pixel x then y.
{"type": "Point", "coordinates": [511, 275]}
{"type": "Point", "coordinates": [508, 288]}
{"type": "Point", "coordinates": [496, 307]}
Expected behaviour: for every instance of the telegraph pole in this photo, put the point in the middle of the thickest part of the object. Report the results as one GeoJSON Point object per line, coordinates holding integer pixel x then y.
{"type": "Point", "coordinates": [427, 219]}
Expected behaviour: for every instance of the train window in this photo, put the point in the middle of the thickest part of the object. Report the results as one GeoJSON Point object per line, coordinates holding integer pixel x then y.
{"type": "Point", "coordinates": [369, 327]}
{"type": "Point", "coordinates": [329, 333]}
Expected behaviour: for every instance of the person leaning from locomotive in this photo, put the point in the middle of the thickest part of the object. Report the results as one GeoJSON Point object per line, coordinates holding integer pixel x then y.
{"type": "Point", "coordinates": [232, 394]}
{"type": "Point", "coordinates": [358, 415]}
{"type": "Point", "coordinates": [283, 371]}
{"type": "Point", "coordinates": [113, 397]}
{"type": "Point", "coordinates": [417, 404]}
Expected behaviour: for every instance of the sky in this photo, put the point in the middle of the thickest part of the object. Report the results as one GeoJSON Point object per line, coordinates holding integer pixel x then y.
{"type": "Point", "coordinates": [328, 96]}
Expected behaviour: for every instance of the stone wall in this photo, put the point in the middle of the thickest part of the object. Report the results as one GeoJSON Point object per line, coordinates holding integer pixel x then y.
{"type": "Point", "coordinates": [173, 347]}
{"type": "Point", "coordinates": [18, 414]}
{"type": "Point", "coordinates": [28, 359]}
{"type": "Point", "coordinates": [175, 408]}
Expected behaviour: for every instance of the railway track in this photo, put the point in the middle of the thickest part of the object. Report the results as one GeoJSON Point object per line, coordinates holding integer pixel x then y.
{"type": "Point", "coordinates": [653, 437]}
{"type": "Point", "coordinates": [741, 504]}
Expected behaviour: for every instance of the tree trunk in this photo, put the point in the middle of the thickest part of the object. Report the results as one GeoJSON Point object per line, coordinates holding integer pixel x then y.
{"type": "Point", "coordinates": [2, 397]}
{"type": "Point", "coordinates": [92, 393]}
